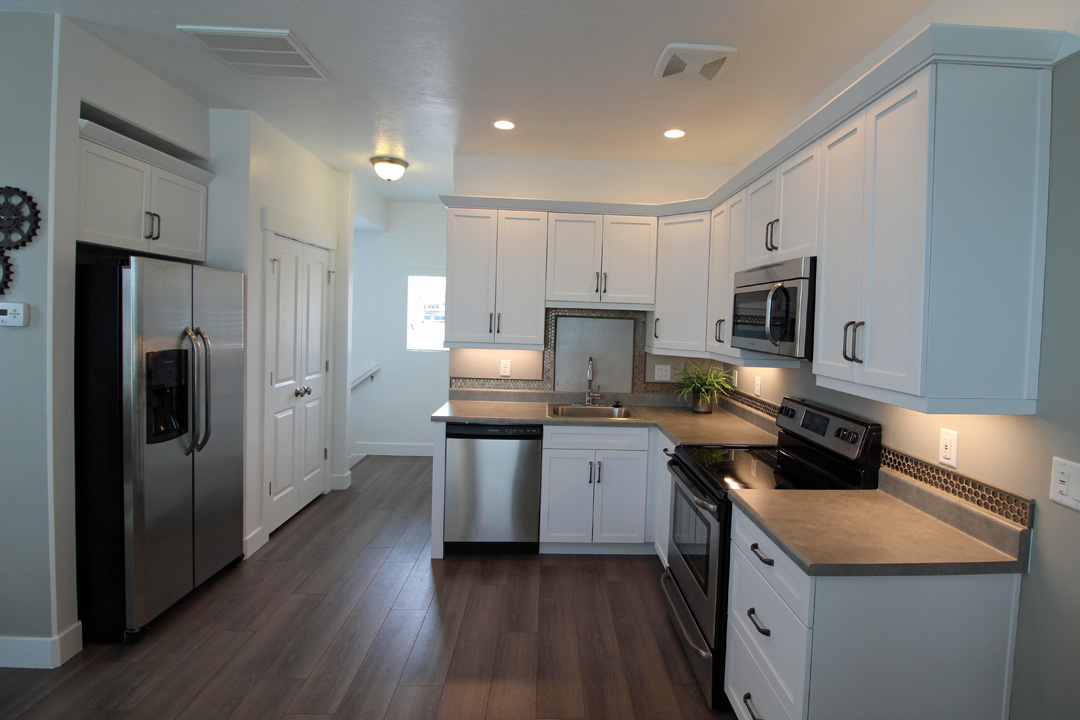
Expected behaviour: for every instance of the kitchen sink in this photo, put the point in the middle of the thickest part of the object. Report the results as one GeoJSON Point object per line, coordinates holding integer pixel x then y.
{"type": "Point", "coordinates": [590, 412]}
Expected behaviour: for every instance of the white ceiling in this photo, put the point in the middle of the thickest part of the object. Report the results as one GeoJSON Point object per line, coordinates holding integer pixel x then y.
{"type": "Point", "coordinates": [424, 79]}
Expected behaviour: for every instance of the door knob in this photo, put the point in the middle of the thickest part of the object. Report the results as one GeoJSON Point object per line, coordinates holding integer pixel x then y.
{"type": "Point", "coordinates": [297, 392]}
{"type": "Point", "coordinates": [307, 390]}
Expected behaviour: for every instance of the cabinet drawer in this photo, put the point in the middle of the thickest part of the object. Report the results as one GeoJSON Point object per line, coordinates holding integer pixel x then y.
{"type": "Point", "coordinates": [745, 683]}
{"type": "Point", "coordinates": [586, 437]}
{"type": "Point", "coordinates": [782, 644]}
{"type": "Point", "coordinates": [795, 587]}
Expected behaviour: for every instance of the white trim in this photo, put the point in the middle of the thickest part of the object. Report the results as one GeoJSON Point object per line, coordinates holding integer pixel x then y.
{"type": "Point", "coordinates": [355, 458]}
{"type": "Point", "coordinates": [255, 540]}
{"type": "Point", "coordinates": [341, 482]}
{"type": "Point", "coordinates": [41, 653]}
{"type": "Point", "coordinates": [412, 449]}
{"type": "Point", "coordinates": [123, 144]}
{"type": "Point", "coordinates": [556, 548]}
{"type": "Point", "coordinates": [293, 228]}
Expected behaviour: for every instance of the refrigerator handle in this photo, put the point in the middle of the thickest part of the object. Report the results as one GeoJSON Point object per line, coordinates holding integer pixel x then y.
{"type": "Point", "coordinates": [206, 388]}
{"type": "Point", "coordinates": [194, 391]}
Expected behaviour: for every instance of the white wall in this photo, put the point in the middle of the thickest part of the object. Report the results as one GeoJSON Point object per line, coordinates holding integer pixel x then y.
{"type": "Point", "coordinates": [259, 167]}
{"type": "Point", "coordinates": [588, 180]}
{"type": "Point", "coordinates": [391, 415]}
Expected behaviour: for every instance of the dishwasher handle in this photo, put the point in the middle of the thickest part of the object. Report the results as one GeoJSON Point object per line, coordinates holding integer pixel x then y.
{"type": "Point", "coordinates": [473, 431]}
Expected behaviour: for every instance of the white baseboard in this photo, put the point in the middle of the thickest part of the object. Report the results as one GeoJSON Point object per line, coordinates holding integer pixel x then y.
{"type": "Point", "coordinates": [341, 482]}
{"type": "Point", "coordinates": [355, 458]}
{"type": "Point", "coordinates": [412, 449]}
{"type": "Point", "coordinates": [41, 653]}
{"type": "Point", "coordinates": [255, 540]}
{"type": "Point", "coordinates": [550, 548]}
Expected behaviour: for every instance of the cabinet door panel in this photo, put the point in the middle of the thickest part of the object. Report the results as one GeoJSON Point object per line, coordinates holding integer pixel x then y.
{"type": "Point", "coordinates": [682, 283]}
{"type": "Point", "coordinates": [619, 497]}
{"type": "Point", "coordinates": [573, 259]}
{"type": "Point", "coordinates": [181, 205]}
{"type": "Point", "coordinates": [566, 496]}
{"type": "Point", "coordinates": [628, 269]}
{"type": "Point", "coordinates": [895, 228]}
{"type": "Point", "coordinates": [114, 193]}
{"type": "Point", "coordinates": [519, 302]}
{"type": "Point", "coordinates": [839, 263]}
{"type": "Point", "coordinates": [761, 201]}
{"type": "Point", "coordinates": [796, 233]}
{"type": "Point", "coordinates": [470, 275]}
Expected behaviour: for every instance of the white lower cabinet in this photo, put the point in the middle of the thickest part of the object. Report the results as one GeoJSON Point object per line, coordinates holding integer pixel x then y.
{"type": "Point", "coordinates": [658, 511]}
{"type": "Point", "coordinates": [847, 647]}
{"type": "Point", "coordinates": [592, 488]}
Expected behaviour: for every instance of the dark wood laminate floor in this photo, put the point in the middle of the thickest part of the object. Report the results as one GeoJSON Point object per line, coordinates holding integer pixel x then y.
{"type": "Point", "coordinates": [343, 614]}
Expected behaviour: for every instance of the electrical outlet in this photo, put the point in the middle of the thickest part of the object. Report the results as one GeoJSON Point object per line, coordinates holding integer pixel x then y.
{"type": "Point", "coordinates": [662, 373]}
{"type": "Point", "coordinates": [735, 379]}
{"type": "Point", "coordinates": [947, 448]}
{"type": "Point", "coordinates": [757, 385]}
{"type": "Point", "coordinates": [504, 368]}
{"type": "Point", "coordinates": [1065, 483]}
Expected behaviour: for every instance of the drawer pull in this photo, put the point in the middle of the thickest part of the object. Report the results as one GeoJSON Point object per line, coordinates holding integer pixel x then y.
{"type": "Point", "coordinates": [767, 560]}
{"type": "Point", "coordinates": [746, 702]}
{"type": "Point", "coordinates": [752, 614]}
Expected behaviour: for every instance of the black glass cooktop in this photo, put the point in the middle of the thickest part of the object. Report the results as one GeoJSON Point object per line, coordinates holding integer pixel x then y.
{"type": "Point", "coordinates": [755, 468]}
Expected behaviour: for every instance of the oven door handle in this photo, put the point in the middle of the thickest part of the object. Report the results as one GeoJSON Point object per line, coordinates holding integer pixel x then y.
{"type": "Point", "coordinates": [665, 581]}
{"type": "Point", "coordinates": [684, 483]}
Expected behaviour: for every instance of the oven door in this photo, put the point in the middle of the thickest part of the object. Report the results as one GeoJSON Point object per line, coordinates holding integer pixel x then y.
{"type": "Point", "coordinates": [774, 318]}
{"type": "Point", "coordinates": [696, 549]}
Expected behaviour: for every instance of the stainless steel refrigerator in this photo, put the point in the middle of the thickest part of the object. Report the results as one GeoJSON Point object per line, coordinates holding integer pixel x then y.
{"type": "Point", "coordinates": [159, 435]}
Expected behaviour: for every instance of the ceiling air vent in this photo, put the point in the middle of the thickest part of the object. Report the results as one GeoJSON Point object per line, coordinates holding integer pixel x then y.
{"type": "Point", "coordinates": [694, 63]}
{"type": "Point", "coordinates": [258, 53]}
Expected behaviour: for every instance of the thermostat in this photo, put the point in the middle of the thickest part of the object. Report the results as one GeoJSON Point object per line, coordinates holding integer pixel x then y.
{"type": "Point", "coordinates": [17, 314]}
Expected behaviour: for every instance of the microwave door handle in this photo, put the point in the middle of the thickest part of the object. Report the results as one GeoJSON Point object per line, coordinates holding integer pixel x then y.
{"type": "Point", "coordinates": [768, 314]}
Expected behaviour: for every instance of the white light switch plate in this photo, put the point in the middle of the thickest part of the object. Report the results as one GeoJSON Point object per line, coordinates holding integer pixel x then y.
{"type": "Point", "coordinates": [1065, 483]}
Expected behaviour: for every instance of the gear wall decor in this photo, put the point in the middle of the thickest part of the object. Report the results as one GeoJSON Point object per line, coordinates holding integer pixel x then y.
{"type": "Point", "coordinates": [19, 223]}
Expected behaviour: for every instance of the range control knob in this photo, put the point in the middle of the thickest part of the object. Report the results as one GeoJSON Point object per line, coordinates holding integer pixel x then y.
{"type": "Point", "coordinates": [843, 434]}
{"type": "Point", "coordinates": [853, 438]}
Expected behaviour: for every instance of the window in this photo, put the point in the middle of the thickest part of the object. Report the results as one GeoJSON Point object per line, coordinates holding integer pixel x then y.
{"type": "Point", "coordinates": [426, 314]}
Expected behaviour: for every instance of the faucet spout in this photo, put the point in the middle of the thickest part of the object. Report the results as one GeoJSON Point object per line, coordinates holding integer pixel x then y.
{"type": "Point", "coordinates": [589, 394]}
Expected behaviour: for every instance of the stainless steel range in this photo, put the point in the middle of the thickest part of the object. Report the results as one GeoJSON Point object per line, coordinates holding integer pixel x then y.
{"type": "Point", "coordinates": [816, 449]}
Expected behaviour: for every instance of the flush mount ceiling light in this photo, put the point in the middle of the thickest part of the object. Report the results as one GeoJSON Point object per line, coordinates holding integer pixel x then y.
{"type": "Point", "coordinates": [504, 125]}
{"type": "Point", "coordinates": [674, 133]}
{"type": "Point", "coordinates": [389, 168]}
{"type": "Point", "coordinates": [694, 63]}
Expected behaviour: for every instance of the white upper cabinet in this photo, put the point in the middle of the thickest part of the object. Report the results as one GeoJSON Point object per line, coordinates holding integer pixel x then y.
{"type": "Point", "coordinates": [128, 203]}
{"type": "Point", "coordinates": [932, 254]}
{"type": "Point", "coordinates": [783, 211]}
{"type": "Point", "coordinates": [601, 259]}
{"type": "Point", "coordinates": [682, 285]}
{"type": "Point", "coordinates": [495, 267]}
{"type": "Point", "coordinates": [728, 219]}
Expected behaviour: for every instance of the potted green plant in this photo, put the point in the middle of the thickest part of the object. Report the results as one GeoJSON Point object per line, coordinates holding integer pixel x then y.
{"type": "Point", "coordinates": [704, 383]}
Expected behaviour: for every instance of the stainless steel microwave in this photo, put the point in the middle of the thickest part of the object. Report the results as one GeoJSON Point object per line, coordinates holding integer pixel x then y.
{"type": "Point", "coordinates": [774, 308]}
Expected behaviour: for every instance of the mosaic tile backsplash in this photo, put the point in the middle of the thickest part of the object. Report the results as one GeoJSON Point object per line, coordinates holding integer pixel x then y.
{"type": "Point", "coordinates": [1003, 503]}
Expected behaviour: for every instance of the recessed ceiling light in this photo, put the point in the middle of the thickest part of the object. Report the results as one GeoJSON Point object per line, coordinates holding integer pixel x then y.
{"type": "Point", "coordinates": [504, 124]}
{"type": "Point", "coordinates": [674, 133]}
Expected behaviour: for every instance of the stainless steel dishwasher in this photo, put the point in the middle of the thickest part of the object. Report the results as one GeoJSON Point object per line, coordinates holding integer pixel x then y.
{"type": "Point", "coordinates": [492, 487]}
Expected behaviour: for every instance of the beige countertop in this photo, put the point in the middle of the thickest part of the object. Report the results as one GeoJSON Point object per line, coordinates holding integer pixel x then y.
{"type": "Point", "coordinates": [867, 532]}
{"type": "Point", "coordinates": [678, 423]}
{"type": "Point", "coordinates": [826, 532]}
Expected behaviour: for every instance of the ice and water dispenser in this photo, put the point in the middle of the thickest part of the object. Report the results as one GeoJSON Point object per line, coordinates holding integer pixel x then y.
{"type": "Point", "coordinates": [166, 395]}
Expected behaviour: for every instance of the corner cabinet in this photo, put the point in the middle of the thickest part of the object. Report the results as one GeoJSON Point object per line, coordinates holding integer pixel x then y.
{"type": "Point", "coordinates": [883, 647]}
{"type": "Point", "coordinates": [929, 249]}
{"type": "Point", "coordinates": [593, 485]}
{"type": "Point", "coordinates": [609, 259]}
{"type": "Point", "coordinates": [495, 269]}
{"type": "Point", "coordinates": [682, 285]}
{"type": "Point", "coordinates": [127, 203]}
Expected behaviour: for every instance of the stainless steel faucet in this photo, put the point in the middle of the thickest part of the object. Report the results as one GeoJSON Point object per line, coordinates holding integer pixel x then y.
{"type": "Point", "coordinates": [589, 394]}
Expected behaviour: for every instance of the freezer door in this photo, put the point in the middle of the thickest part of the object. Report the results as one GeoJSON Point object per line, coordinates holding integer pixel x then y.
{"type": "Point", "coordinates": [218, 319]}
{"type": "Point", "coordinates": [157, 476]}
